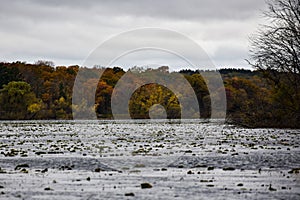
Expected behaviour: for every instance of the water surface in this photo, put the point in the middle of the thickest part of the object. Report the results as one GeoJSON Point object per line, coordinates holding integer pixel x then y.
{"type": "Point", "coordinates": [186, 159]}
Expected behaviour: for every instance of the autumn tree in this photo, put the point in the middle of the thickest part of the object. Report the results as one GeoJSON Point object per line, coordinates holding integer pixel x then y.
{"type": "Point", "coordinates": [149, 95]}
{"type": "Point", "coordinates": [199, 86]}
{"type": "Point", "coordinates": [248, 102]}
{"type": "Point", "coordinates": [103, 97]}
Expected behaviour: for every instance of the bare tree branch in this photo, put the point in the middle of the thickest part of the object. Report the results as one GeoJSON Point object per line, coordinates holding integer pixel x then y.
{"type": "Point", "coordinates": [275, 49]}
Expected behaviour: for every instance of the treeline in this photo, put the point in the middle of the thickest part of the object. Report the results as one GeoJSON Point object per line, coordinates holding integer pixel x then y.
{"type": "Point", "coordinates": [42, 91]}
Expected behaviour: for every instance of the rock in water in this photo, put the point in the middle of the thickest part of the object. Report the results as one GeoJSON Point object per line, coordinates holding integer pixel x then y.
{"type": "Point", "coordinates": [271, 188]}
{"type": "Point", "coordinates": [228, 168]}
{"type": "Point", "coordinates": [21, 166]}
{"type": "Point", "coordinates": [129, 194]}
{"type": "Point", "coordinates": [146, 185]}
{"type": "Point", "coordinates": [97, 169]}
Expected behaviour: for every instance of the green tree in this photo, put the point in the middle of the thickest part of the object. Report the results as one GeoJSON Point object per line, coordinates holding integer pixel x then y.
{"type": "Point", "coordinates": [18, 101]}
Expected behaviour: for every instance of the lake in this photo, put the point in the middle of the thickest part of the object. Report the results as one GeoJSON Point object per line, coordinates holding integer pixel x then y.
{"type": "Point", "coordinates": [147, 159]}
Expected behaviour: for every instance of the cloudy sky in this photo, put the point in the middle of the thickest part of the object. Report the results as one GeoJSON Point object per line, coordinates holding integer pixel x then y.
{"type": "Point", "coordinates": [68, 31]}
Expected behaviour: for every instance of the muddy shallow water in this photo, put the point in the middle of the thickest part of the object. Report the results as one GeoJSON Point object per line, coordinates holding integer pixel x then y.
{"type": "Point", "coordinates": [187, 159]}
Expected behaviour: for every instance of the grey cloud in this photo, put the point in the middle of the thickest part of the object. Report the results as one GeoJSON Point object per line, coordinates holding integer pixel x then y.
{"type": "Point", "coordinates": [228, 54]}
{"type": "Point", "coordinates": [168, 9]}
{"type": "Point", "coordinates": [68, 30]}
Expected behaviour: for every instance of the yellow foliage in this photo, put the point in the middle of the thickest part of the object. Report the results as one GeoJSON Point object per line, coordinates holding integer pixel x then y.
{"type": "Point", "coordinates": [35, 107]}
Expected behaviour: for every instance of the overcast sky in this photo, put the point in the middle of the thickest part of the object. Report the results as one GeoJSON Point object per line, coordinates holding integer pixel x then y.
{"type": "Point", "coordinates": [67, 31]}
